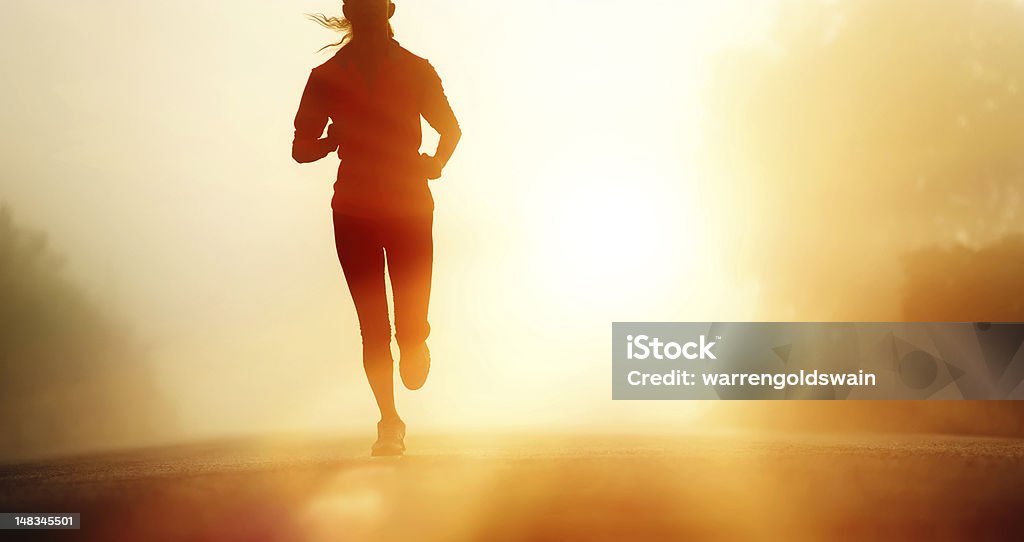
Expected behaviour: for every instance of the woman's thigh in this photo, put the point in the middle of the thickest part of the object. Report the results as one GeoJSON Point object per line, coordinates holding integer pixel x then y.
{"type": "Point", "coordinates": [361, 253]}
{"type": "Point", "coordinates": [410, 254]}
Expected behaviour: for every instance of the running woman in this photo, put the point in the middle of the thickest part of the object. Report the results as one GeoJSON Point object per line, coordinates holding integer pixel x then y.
{"type": "Point", "coordinates": [373, 92]}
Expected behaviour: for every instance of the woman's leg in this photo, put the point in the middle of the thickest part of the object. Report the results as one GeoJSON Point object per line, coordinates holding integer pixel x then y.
{"type": "Point", "coordinates": [409, 244]}
{"type": "Point", "coordinates": [361, 253]}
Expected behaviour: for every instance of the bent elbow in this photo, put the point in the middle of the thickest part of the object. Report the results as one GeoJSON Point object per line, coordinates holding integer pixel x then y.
{"type": "Point", "coordinates": [299, 156]}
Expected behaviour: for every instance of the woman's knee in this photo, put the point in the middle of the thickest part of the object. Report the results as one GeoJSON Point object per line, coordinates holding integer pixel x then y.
{"type": "Point", "coordinates": [376, 335]}
{"type": "Point", "coordinates": [376, 344]}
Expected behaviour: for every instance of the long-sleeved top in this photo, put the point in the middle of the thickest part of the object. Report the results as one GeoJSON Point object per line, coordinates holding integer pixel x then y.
{"type": "Point", "coordinates": [378, 126]}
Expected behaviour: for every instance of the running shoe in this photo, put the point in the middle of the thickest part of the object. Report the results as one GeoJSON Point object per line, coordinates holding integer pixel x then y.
{"type": "Point", "coordinates": [390, 439]}
{"type": "Point", "coordinates": [414, 365]}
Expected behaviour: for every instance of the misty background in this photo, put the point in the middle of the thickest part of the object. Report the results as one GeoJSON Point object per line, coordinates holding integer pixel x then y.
{"type": "Point", "coordinates": [166, 271]}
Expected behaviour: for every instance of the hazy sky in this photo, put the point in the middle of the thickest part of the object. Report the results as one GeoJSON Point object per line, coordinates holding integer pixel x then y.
{"type": "Point", "coordinates": [152, 141]}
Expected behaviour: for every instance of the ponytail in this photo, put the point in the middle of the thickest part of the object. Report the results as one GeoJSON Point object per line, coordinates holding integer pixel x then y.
{"type": "Point", "coordinates": [340, 25]}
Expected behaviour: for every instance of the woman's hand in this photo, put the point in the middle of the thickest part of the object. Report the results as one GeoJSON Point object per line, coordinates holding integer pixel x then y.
{"type": "Point", "coordinates": [431, 166]}
{"type": "Point", "coordinates": [333, 139]}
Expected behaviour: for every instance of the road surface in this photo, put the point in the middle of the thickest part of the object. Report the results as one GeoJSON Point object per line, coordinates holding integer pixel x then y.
{"type": "Point", "coordinates": [544, 487]}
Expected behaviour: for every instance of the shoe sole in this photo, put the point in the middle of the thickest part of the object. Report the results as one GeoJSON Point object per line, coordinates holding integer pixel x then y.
{"type": "Point", "coordinates": [415, 381]}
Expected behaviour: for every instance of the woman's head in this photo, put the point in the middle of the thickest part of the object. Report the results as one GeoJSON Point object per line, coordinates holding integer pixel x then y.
{"type": "Point", "coordinates": [367, 19]}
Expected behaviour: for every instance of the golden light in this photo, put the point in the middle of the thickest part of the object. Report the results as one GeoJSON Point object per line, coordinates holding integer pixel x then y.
{"type": "Point", "coordinates": [596, 235]}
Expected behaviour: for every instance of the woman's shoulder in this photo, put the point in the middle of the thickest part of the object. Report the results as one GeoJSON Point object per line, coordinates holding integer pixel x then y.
{"type": "Point", "coordinates": [337, 60]}
{"type": "Point", "coordinates": [331, 69]}
{"type": "Point", "coordinates": [412, 58]}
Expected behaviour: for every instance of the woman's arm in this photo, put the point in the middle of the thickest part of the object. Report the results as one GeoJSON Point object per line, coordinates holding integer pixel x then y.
{"type": "Point", "coordinates": [438, 113]}
{"type": "Point", "coordinates": [446, 145]}
{"type": "Point", "coordinates": [310, 120]}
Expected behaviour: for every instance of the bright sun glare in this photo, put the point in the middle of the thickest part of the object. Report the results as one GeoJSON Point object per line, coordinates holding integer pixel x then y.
{"type": "Point", "coordinates": [598, 229]}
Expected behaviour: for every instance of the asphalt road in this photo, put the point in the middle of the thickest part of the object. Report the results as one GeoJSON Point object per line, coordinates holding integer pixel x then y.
{"type": "Point", "coordinates": [536, 488]}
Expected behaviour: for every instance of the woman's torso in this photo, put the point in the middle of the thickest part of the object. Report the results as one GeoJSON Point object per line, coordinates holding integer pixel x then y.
{"type": "Point", "coordinates": [377, 122]}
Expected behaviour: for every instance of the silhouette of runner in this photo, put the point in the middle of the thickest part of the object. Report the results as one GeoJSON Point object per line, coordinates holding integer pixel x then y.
{"type": "Point", "coordinates": [374, 91]}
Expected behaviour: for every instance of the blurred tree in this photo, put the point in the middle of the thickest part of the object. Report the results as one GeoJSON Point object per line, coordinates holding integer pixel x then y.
{"type": "Point", "coordinates": [69, 377]}
{"type": "Point", "coordinates": [964, 284]}
{"type": "Point", "coordinates": [863, 130]}
{"type": "Point", "coordinates": [875, 148]}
